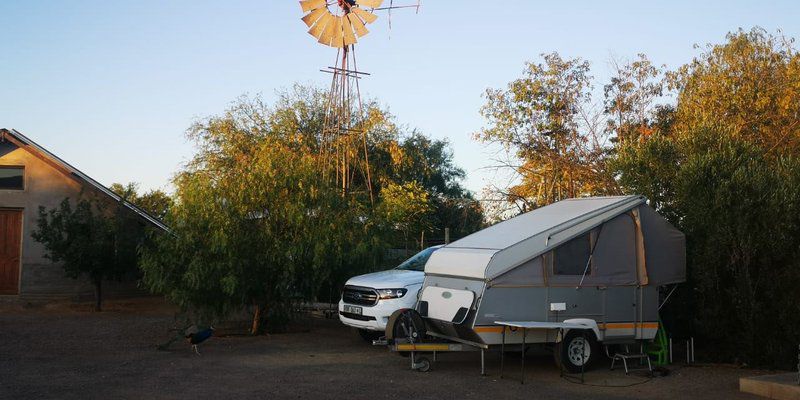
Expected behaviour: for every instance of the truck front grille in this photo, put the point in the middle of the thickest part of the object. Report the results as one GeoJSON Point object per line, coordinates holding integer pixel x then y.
{"type": "Point", "coordinates": [360, 295]}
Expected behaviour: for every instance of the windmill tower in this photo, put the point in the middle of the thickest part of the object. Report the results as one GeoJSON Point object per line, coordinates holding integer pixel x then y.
{"type": "Point", "coordinates": [339, 24]}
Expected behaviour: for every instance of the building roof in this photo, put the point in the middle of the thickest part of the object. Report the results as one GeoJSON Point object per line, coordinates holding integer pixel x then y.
{"type": "Point", "coordinates": [501, 247]}
{"type": "Point", "coordinates": [31, 146]}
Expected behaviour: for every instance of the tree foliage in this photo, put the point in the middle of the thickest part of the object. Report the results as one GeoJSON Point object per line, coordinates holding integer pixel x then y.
{"type": "Point", "coordinates": [257, 223]}
{"type": "Point", "coordinates": [553, 138]}
{"type": "Point", "coordinates": [723, 166]}
{"type": "Point", "coordinates": [92, 238]}
{"type": "Point", "coordinates": [406, 207]}
{"type": "Point", "coordinates": [155, 202]}
{"type": "Point", "coordinates": [750, 86]}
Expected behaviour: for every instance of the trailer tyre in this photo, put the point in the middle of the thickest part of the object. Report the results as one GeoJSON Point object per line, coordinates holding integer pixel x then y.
{"type": "Point", "coordinates": [405, 325]}
{"type": "Point", "coordinates": [423, 365]}
{"type": "Point", "coordinates": [567, 352]}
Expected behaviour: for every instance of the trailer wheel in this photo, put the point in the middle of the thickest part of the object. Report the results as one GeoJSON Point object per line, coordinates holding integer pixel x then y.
{"type": "Point", "coordinates": [567, 352]}
{"type": "Point", "coordinates": [422, 365]}
{"type": "Point", "coordinates": [406, 325]}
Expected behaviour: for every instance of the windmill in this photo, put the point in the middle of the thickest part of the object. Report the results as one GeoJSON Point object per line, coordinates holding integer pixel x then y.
{"type": "Point", "coordinates": [339, 24]}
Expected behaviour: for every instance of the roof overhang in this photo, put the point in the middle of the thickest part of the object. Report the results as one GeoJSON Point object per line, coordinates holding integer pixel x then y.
{"type": "Point", "coordinates": [29, 145]}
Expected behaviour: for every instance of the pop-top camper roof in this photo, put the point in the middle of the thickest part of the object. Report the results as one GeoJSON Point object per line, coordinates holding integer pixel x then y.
{"type": "Point", "coordinates": [621, 225]}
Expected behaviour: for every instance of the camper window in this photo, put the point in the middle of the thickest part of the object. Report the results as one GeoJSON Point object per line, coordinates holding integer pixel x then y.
{"type": "Point", "coordinates": [570, 258]}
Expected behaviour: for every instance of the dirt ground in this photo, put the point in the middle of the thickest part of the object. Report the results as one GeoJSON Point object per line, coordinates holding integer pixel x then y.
{"type": "Point", "coordinates": [71, 353]}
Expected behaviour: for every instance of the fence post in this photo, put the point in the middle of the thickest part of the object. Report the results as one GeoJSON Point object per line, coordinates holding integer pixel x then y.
{"type": "Point", "coordinates": [446, 235]}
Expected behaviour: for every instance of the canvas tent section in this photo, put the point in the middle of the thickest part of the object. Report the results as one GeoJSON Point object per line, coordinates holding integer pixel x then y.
{"type": "Point", "coordinates": [664, 249]}
{"type": "Point", "coordinates": [598, 241]}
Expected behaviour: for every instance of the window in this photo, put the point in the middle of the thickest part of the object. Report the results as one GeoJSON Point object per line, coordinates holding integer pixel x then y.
{"type": "Point", "coordinates": [417, 262]}
{"type": "Point", "coordinates": [11, 178]}
{"type": "Point", "coordinates": [570, 258]}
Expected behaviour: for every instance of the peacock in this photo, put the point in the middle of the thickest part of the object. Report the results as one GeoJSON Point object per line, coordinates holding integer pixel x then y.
{"type": "Point", "coordinates": [198, 337]}
{"type": "Point", "coordinates": [191, 332]}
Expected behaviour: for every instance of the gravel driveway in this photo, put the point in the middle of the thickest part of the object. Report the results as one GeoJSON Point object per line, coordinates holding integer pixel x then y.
{"type": "Point", "coordinates": [68, 353]}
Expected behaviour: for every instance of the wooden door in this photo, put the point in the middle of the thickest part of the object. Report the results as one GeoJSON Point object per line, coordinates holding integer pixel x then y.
{"type": "Point", "coordinates": [10, 241]}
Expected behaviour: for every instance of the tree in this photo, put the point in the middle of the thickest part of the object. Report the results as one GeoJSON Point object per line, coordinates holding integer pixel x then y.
{"type": "Point", "coordinates": [723, 166]}
{"type": "Point", "coordinates": [155, 202]}
{"type": "Point", "coordinates": [749, 86]}
{"type": "Point", "coordinates": [428, 163]}
{"type": "Point", "coordinates": [258, 223]}
{"type": "Point", "coordinates": [552, 136]}
{"type": "Point", "coordinates": [406, 207]}
{"type": "Point", "coordinates": [630, 98]}
{"type": "Point", "coordinates": [91, 238]}
{"type": "Point", "coordinates": [255, 223]}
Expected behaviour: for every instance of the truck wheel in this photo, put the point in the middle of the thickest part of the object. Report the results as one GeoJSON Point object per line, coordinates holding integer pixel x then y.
{"type": "Point", "coordinates": [369, 335]}
{"type": "Point", "coordinates": [567, 352]}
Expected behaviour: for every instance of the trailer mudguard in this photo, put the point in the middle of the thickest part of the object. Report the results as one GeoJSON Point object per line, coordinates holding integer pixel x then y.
{"type": "Point", "coordinates": [588, 322]}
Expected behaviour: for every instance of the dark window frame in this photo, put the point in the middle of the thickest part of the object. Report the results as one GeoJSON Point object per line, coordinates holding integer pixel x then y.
{"type": "Point", "coordinates": [21, 168]}
{"type": "Point", "coordinates": [589, 240]}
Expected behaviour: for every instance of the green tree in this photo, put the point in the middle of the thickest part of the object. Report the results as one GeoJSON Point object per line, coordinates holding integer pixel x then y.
{"type": "Point", "coordinates": [630, 98]}
{"type": "Point", "coordinates": [155, 202]}
{"type": "Point", "coordinates": [750, 86]}
{"type": "Point", "coordinates": [91, 238]}
{"type": "Point", "coordinates": [255, 224]}
{"type": "Point", "coordinates": [723, 166]}
{"type": "Point", "coordinates": [406, 207]}
{"type": "Point", "coordinates": [553, 138]}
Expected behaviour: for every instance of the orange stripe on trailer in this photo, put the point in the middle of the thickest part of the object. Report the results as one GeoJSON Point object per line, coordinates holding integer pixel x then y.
{"type": "Point", "coordinates": [422, 347]}
{"type": "Point", "coordinates": [628, 325]}
{"type": "Point", "coordinates": [488, 329]}
{"type": "Point", "coordinates": [610, 325]}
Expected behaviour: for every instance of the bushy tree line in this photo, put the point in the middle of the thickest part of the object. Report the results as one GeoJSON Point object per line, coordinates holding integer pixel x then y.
{"type": "Point", "coordinates": [713, 144]}
{"type": "Point", "coordinates": [258, 222]}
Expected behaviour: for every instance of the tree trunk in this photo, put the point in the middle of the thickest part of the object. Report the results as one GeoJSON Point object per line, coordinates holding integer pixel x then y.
{"type": "Point", "coordinates": [98, 294]}
{"type": "Point", "coordinates": [256, 327]}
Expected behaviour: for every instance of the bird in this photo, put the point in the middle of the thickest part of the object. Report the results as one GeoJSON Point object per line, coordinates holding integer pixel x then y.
{"type": "Point", "coordinates": [198, 337]}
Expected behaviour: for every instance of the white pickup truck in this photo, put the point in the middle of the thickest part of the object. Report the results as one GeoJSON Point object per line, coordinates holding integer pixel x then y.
{"type": "Point", "coordinates": [369, 300]}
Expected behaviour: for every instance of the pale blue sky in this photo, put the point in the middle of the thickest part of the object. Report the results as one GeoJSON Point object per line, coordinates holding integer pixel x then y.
{"type": "Point", "coordinates": [111, 86]}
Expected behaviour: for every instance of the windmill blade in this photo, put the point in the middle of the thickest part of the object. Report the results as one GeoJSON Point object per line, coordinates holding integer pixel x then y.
{"type": "Point", "coordinates": [309, 5]}
{"type": "Point", "coordinates": [328, 32]}
{"type": "Point", "coordinates": [347, 29]}
{"type": "Point", "coordinates": [313, 16]}
{"type": "Point", "coordinates": [369, 3]}
{"type": "Point", "coordinates": [321, 24]}
{"type": "Point", "coordinates": [359, 27]}
{"type": "Point", "coordinates": [338, 35]}
{"type": "Point", "coordinates": [366, 16]}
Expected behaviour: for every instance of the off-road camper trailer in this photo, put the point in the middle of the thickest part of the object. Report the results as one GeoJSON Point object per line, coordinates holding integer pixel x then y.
{"type": "Point", "coordinates": [595, 261]}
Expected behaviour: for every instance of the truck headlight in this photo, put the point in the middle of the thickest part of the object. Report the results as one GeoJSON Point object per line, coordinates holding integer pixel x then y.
{"type": "Point", "coordinates": [391, 293]}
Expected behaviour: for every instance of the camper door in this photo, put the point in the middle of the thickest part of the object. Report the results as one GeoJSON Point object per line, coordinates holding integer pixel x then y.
{"type": "Point", "coordinates": [444, 304]}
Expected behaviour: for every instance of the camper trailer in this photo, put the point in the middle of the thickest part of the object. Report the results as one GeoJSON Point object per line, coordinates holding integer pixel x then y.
{"type": "Point", "coordinates": [595, 263]}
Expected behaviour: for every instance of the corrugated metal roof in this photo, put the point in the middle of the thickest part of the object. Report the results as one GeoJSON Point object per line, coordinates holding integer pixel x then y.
{"type": "Point", "coordinates": [83, 177]}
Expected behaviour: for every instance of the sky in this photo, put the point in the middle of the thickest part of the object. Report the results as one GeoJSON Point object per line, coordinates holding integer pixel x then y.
{"type": "Point", "coordinates": [112, 86]}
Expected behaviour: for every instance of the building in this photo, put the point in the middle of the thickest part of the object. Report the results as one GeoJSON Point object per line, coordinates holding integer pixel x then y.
{"type": "Point", "coordinates": [30, 177]}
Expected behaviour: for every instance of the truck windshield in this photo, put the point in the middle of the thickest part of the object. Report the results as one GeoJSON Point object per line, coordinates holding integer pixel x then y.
{"type": "Point", "coordinates": [417, 261]}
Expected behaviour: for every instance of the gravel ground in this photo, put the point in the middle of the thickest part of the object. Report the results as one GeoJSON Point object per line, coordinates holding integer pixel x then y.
{"type": "Point", "coordinates": [70, 353]}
